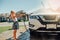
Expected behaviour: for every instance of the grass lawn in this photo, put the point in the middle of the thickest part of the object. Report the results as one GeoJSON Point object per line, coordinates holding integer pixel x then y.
{"type": "Point", "coordinates": [2, 29]}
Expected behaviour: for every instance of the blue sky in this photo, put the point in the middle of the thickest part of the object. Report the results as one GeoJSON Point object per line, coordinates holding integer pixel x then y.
{"type": "Point", "coordinates": [17, 5]}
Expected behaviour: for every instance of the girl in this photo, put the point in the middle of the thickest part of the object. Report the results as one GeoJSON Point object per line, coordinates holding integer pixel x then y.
{"type": "Point", "coordinates": [15, 24]}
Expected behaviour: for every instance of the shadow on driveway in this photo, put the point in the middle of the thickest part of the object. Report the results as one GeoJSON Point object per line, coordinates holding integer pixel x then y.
{"type": "Point", "coordinates": [24, 36]}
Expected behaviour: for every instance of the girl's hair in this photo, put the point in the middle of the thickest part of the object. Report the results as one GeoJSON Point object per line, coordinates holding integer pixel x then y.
{"type": "Point", "coordinates": [12, 12]}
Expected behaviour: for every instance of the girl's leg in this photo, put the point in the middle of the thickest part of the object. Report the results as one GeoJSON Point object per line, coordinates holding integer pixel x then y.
{"type": "Point", "coordinates": [14, 34]}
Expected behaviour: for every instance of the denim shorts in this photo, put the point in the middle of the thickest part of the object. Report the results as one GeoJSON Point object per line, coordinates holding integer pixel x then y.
{"type": "Point", "coordinates": [15, 25]}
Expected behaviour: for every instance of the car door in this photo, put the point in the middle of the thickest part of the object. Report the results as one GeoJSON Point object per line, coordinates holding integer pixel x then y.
{"type": "Point", "coordinates": [34, 21]}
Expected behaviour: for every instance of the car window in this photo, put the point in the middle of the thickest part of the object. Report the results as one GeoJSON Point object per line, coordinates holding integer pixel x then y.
{"type": "Point", "coordinates": [33, 17]}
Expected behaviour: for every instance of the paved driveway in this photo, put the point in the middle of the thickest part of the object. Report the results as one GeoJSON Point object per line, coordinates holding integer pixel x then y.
{"type": "Point", "coordinates": [2, 24]}
{"type": "Point", "coordinates": [22, 33]}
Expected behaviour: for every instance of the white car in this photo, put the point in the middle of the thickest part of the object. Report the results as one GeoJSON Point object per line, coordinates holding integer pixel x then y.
{"type": "Point", "coordinates": [43, 22]}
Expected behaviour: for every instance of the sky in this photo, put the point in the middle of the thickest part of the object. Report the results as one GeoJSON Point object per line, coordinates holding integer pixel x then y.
{"type": "Point", "coordinates": [27, 5]}
{"type": "Point", "coordinates": [54, 3]}
{"type": "Point", "coordinates": [17, 5]}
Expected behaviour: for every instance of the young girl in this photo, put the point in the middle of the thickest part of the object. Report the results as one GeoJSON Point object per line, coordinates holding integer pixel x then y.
{"type": "Point", "coordinates": [15, 24]}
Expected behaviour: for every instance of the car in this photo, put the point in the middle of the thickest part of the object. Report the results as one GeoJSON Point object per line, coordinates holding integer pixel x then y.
{"type": "Point", "coordinates": [44, 23]}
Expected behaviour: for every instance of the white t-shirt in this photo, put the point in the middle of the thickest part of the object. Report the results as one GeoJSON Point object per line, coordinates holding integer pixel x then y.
{"type": "Point", "coordinates": [15, 19]}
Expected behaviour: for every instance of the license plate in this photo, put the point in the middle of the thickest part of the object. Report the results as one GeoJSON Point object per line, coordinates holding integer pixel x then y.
{"type": "Point", "coordinates": [51, 26]}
